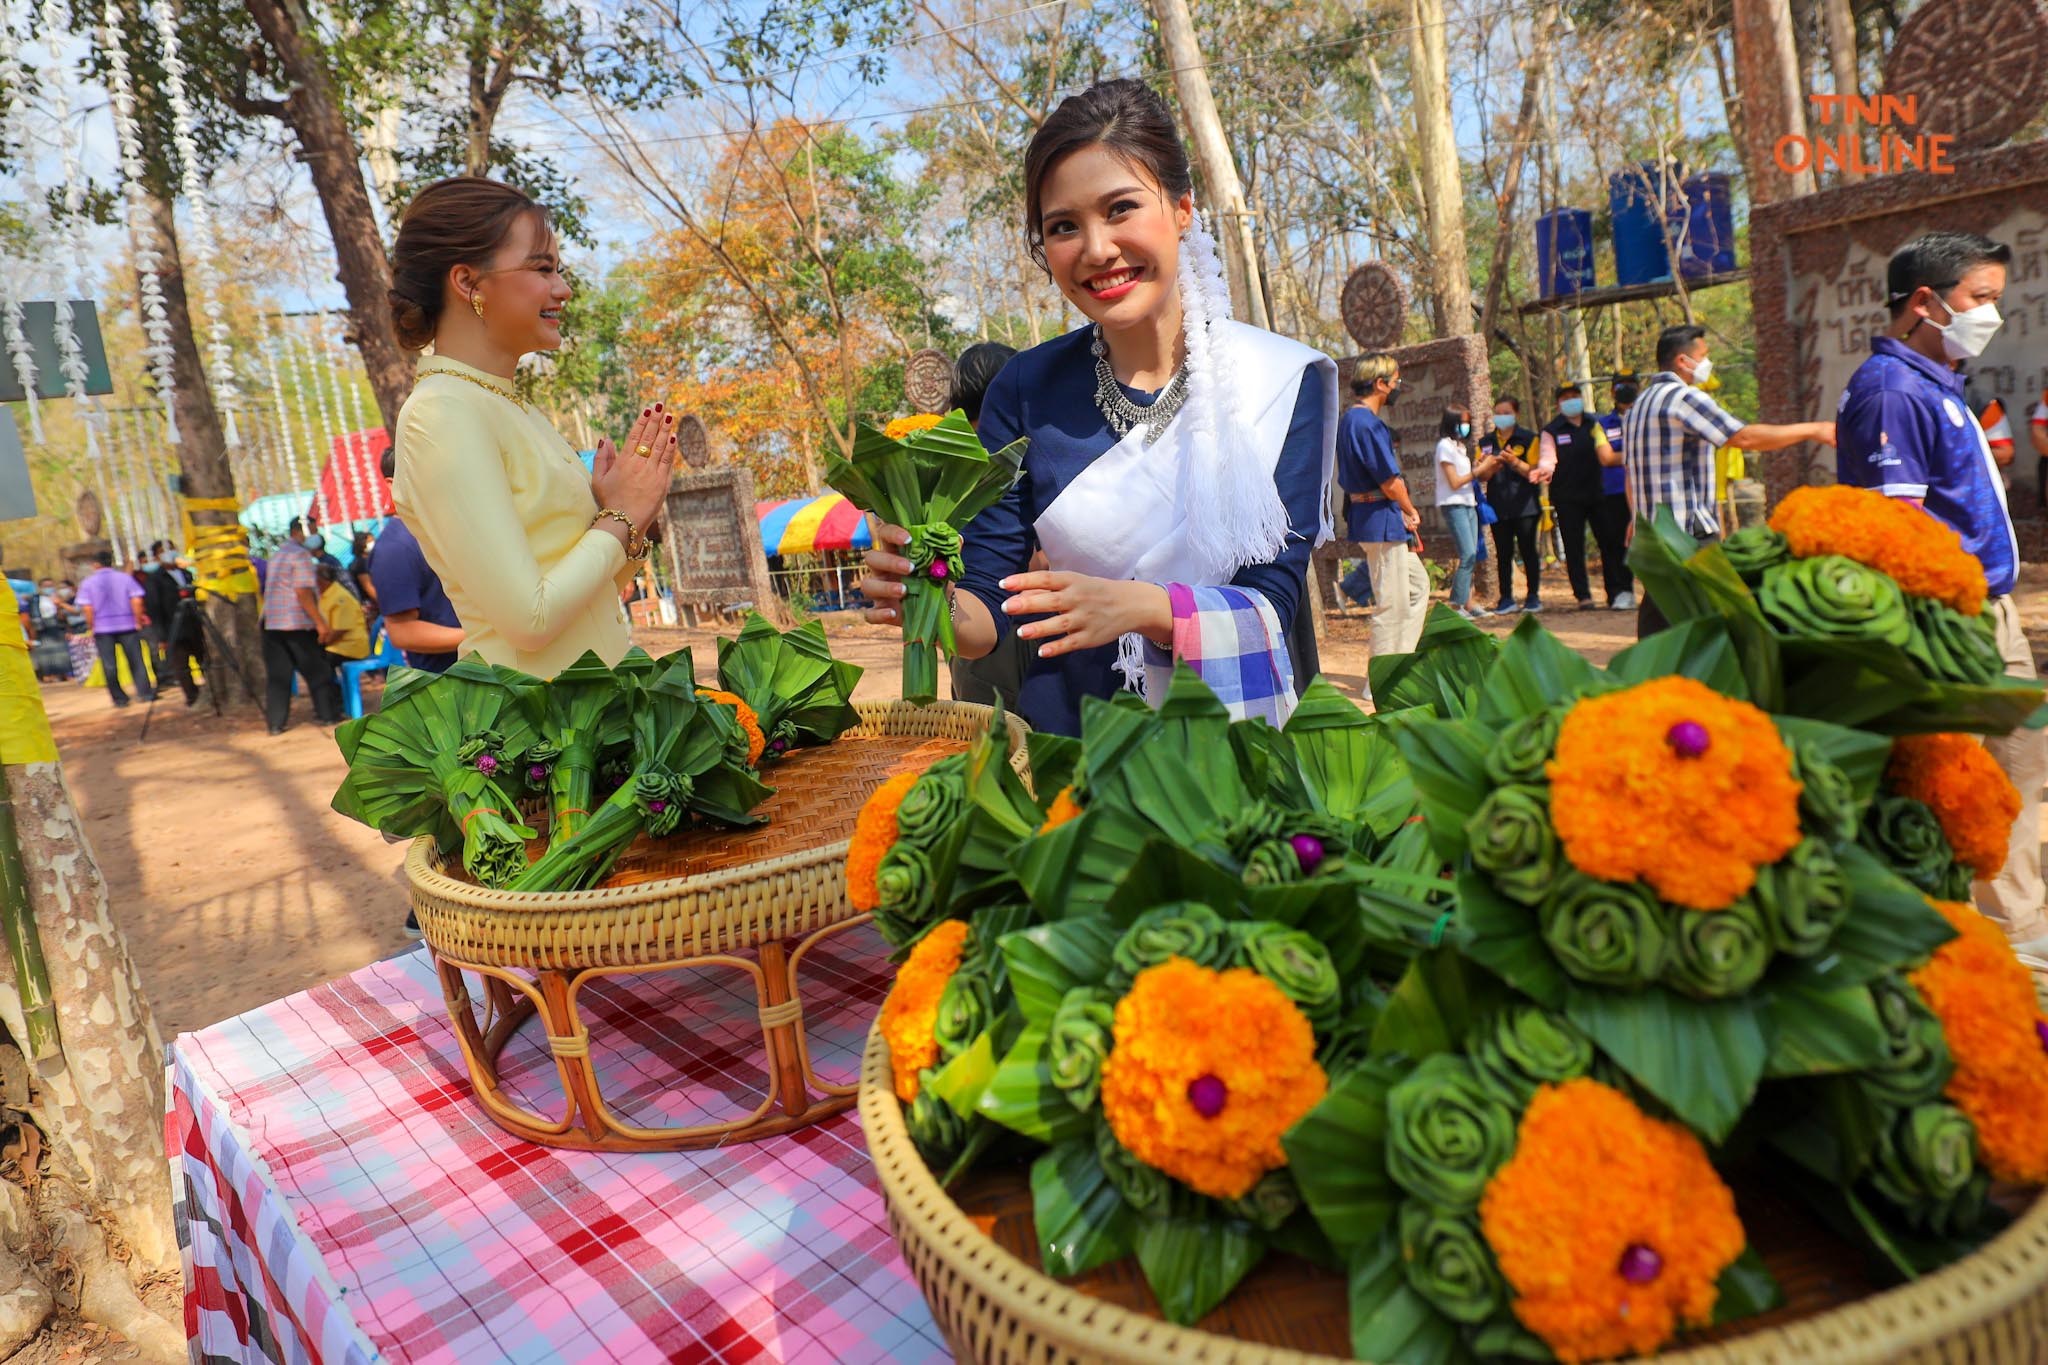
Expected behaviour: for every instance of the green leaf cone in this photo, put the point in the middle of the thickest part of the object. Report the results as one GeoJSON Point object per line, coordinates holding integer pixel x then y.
{"type": "Point", "coordinates": [1297, 963]}
{"type": "Point", "coordinates": [931, 807]}
{"type": "Point", "coordinates": [1827, 798]}
{"type": "Point", "coordinates": [1446, 1135]}
{"type": "Point", "coordinates": [1148, 1190]}
{"type": "Point", "coordinates": [1082, 1034]}
{"type": "Point", "coordinates": [1447, 1261]}
{"type": "Point", "coordinates": [1185, 929]}
{"type": "Point", "coordinates": [1520, 755]}
{"type": "Point", "coordinates": [932, 543]}
{"type": "Point", "coordinates": [1918, 1063]}
{"type": "Point", "coordinates": [903, 884]}
{"type": "Point", "coordinates": [1516, 1049]}
{"type": "Point", "coordinates": [1927, 1155]}
{"type": "Point", "coordinates": [1606, 933]}
{"type": "Point", "coordinates": [1718, 953]}
{"type": "Point", "coordinates": [1952, 647]}
{"type": "Point", "coordinates": [1834, 598]}
{"type": "Point", "coordinates": [935, 1126]}
{"type": "Point", "coordinates": [1512, 839]}
{"type": "Point", "coordinates": [1908, 837]}
{"type": "Point", "coordinates": [1753, 550]}
{"type": "Point", "coordinates": [1804, 897]}
{"type": "Point", "coordinates": [1269, 1203]}
{"type": "Point", "coordinates": [965, 1010]}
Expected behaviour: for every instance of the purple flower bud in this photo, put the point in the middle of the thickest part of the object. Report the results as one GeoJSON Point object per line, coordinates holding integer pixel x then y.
{"type": "Point", "coordinates": [486, 764]}
{"type": "Point", "coordinates": [1688, 739]}
{"type": "Point", "coordinates": [657, 807]}
{"type": "Point", "coordinates": [2041, 1032]}
{"type": "Point", "coordinates": [1309, 850]}
{"type": "Point", "coordinates": [778, 746]}
{"type": "Point", "coordinates": [537, 774]}
{"type": "Point", "coordinates": [938, 569]}
{"type": "Point", "coordinates": [1640, 1264]}
{"type": "Point", "coordinates": [1207, 1093]}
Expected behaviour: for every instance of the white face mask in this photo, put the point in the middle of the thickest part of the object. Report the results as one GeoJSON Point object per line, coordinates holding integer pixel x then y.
{"type": "Point", "coordinates": [1703, 371]}
{"type": "Point", "coordinates": [1969, 331]}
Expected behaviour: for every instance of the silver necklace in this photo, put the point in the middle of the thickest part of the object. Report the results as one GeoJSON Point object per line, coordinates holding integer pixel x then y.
{"type": "Point", "coordinates": [1122, 413]}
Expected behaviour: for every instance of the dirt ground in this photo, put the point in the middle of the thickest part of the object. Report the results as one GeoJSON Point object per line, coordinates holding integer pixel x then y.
{"type": "Point", "coordinates": [237, 885]}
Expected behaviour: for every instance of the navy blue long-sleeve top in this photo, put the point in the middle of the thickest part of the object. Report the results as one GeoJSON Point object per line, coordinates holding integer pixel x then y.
{"type": "Point", "coordinates": [1047, 394]}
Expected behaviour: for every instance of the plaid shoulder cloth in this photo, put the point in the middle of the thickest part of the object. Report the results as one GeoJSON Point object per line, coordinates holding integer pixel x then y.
{"type": "Point", "coordinates": [1231, 638]}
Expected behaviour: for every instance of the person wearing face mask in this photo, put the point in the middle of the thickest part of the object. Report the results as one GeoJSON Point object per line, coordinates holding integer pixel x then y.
{"type": "Point", "coordinates": [179, 640]}
{"type": "Point", "coordinates": [1907, 432]}
{"type": "Point", "coordinates": [45, 618]}
{"type": "Point", "coordinates": [1379, 513]}
{"type": "Point", "coordinates": [1577, 448]}
{"type": "Point", "coordinates": [1611, 521]}
{"type": "Point", "coordinates": [1512, 452]}
{"type": "Point", "coordinates": [1671, 435]}
{"type": "Point", "coordinates": [1178, 462]}
{"type": "Point", "coordinates": [1457, 482]}
{"type": "Point", "coordinates": [293, 630]}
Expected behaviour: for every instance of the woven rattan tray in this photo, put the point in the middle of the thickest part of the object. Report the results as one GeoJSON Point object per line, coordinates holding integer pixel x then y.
{"type": "Point", "coordinates": [976, 1262]}
{"type": "Point", "coordinates": [751, 901]}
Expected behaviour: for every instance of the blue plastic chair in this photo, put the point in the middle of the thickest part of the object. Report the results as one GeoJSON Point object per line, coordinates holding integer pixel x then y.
{"type": "Point", "coordinates": [385, 656]}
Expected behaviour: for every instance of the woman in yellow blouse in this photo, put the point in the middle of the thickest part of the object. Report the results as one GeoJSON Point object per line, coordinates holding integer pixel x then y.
{"type": "Point", "coordinates": [530, 549]}
{"type": "Point", "coordinates": [346, 636]}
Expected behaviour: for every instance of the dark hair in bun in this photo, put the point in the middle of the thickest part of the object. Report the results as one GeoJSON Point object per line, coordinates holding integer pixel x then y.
{"type": "Point", "coordinates": [1126, 116]}
{"type": "Point", "coordinates": [459, 221]}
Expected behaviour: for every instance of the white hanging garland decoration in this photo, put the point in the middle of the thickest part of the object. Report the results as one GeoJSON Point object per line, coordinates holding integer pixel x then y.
{"type": "Point", "coordinates": [205, 273]}
{"type": "Point", "coordinates": [156, 320]}
{"type": "Point", "coordinates": [323, 451]}
{"type": "Point", "coordinates": [155, 496]}
{"type": "Point", "coordinates": [14, 133]}
{"type": "Point", "coordinates": [366, 502]}
{"type": "Point", "coordinates": [128, 522]}
{"type": "Point", "coordinates": [338, 439]}
{"type": "Point", "coordinates": [276, 400]}
{"type": "Point", "coordinates": [108, 524]}
{"type": "Point", "coordinates": [295, 356]}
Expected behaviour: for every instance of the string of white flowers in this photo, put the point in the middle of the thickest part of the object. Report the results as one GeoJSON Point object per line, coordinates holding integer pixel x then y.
{"type": "Point", "coordinates": [323, 447]}
{"type": "Point", "coordinates": [14, 132]}
{"type": "Point", "coordinates": [163, 512]}
{"type": "Point", "coordinates": [121, 445]}
{"type": "Point", "coordinates": [295, 356]}
{"type": "Point", "coordinates": [276, 401]}
{"type": "Point", "coordinates": [156, 319]}
{"type": "Point", "coordinates": [365, 495]}
{"type": "Point", "coordinates": [338, 438]}
{"type": "Point", "coordinates": [108, 524]}
{"type": "Point", "coordinates": [204, 257]}
{"type": "Point", "coordinates": [149, 488]}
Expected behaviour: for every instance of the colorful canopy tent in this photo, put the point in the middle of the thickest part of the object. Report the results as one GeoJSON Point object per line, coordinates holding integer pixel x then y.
{"type": "Point", "coordinates": [808, 525]}
{"type": "Point", "coordinates": [270, 517]}
{"type": "Point", "coordinates": [352, 483]}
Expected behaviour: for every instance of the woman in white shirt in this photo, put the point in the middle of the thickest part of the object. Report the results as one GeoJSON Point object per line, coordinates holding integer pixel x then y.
{"type": "Point", "coordinates": [1457, 498]}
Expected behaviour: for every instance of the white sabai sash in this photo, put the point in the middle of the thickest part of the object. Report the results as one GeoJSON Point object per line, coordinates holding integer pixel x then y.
{"type": "Point", "coordinates": [1127, 515]}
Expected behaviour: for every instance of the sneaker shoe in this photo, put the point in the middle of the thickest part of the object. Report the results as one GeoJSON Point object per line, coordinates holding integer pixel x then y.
{"type": "Point", "coordinates": [1584, 604]}
{"type": "Point", "coordinates": [1625, 602]}
{"type": "Point", "coordinates": [1508, 606]}
{"type": "Point", "coordinates": [1533, 604]}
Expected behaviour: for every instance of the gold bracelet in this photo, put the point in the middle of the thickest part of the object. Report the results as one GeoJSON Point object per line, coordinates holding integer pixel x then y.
{"type": "Point", "coordinates": [636, 544]}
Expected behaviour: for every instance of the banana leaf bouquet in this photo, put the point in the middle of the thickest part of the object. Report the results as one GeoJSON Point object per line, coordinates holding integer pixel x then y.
{"type": "Point", "coordinates": [443, 756]}
{"type": "Point", "coordinates": [689, 757]}
{"type": "Point", "coordinates": [931, 477]}
{"type": "Point", "coordinates": [801, 696]}
{"type": "Point", "coordinates": [583, 718]}
{"type": "Point", "coordinates": [1862, 609]}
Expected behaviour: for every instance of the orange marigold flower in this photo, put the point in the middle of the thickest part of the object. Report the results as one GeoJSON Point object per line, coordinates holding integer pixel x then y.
{"type": "Point", "coordinates": [901, 427]}
{"type": "Point", "coordinates": [912, 1009]}
{"type": "Point", "coordinates": [1611, 1226]}
{"type": "Point", "coordinates": [1959, 780]}
{"type": "Point", "coordinates": [874, 834]}
{"type": "Point", "coordinates": [749, 722]}
{"type": "Point", "coordinates": [1992, 1023]}
{"type": "Point", "coordinates": [1064, 808]}
{"type": "Point", "coordinates": [1207, 1070]}
{"type": "Point", "coordinates": [1922, 555]}
{"type": "Point", "coordinates": [1672, 782]}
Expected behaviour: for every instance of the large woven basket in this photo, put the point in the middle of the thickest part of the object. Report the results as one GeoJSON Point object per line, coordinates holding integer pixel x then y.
{"type": "Point", "coordinates": [755, 902]}
{"type": "Point", "coordinates": [997, 1308]}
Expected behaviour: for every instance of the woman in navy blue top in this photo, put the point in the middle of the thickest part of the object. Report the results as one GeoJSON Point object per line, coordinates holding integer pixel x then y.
{"type": "Point", "coordinates": [1176, 464]}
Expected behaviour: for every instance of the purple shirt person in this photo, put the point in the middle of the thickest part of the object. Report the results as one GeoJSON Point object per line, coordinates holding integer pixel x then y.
{"type": "Point", "coordinates": [112, 601]}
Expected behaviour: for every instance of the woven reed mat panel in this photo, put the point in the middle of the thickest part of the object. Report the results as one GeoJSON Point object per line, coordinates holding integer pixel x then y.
{"type": "Point", "coordinates": [818, 796]}
{"type": "Point", "coordinates": [1292, 1303]}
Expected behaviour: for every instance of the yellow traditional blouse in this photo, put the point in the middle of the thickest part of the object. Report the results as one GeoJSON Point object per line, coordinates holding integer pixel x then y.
{"type": "Point", "coordinates": [501, 506]}
{"type": "Point", "coordinates": [345, 614]}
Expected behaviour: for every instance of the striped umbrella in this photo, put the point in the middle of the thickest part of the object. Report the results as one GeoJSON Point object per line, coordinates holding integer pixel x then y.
{"type": "Point", "coordinates": [806, 525]}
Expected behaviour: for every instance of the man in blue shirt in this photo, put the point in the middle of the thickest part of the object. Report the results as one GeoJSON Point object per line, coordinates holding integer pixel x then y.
{"type": "Point", "coordinates": [1378, 512]}
{"type": "Point", "coordinates": [417, 614]}
{"type": "Point", "coordinates": [1906, 430]}
{"type": "Point", "coordinates": [1613, 512]}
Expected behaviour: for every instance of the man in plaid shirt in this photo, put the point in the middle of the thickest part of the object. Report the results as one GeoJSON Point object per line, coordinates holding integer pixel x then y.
{"type": "Point", "coordinates": [293, 633]}
{"type": "Point", "coordinates": [1669, 438]}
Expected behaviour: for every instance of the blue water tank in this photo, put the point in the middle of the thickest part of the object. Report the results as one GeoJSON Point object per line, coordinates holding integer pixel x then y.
{"type": "Point", "coordinates": [1707, 220]}
{"type": "Point", "coordinates": [1636, 199]}
{"type": "Point", "coordinates": [1564, 252]}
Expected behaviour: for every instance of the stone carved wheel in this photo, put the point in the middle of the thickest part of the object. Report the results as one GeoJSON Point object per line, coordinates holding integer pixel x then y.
{"type": "Point", "coordinates": [1375, 304]}
{"type": "Point", "coordinates": [693, 442]}
{"type": "Point", "coordinates": [928, 381]}
{"type": "Point", "coordinates": [90, 518]}
{"type": "Point", "coordinates": [2008, 68]}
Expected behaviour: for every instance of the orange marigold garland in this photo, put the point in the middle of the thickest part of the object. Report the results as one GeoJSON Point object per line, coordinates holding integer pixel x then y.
{"type": "Point", "coordinates": [1611, 1227]}
{"type": "Point", "coordinates": [900, 427]}
{"type": "Point", "coordinates": [1959, 780]}
{"type": "Point", "coordinates": [1676, 784]}
{"type": "Point", "coordinates": [749, 722]}
{"type": "Point", "coordinates": [912, 1009]}
{"type": "Point", "coordinates": [1207, 1070]}
{"type": "Point", "coordinates": [1064, 808]}
{"type": "Point", "coordinates": [1921, 555]}
{"type": "Point", "coordinates": [1992, 1023]}
{"type": "Point", "coordinates": [874, 833]}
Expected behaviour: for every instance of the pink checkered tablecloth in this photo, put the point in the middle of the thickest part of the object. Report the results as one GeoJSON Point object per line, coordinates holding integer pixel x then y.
{"type": "Point", "coordinates": [343, 1200]}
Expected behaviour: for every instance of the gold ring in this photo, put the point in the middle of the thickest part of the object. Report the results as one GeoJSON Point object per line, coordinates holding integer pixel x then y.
{"type": "Point", "coordinates": [643, 450]}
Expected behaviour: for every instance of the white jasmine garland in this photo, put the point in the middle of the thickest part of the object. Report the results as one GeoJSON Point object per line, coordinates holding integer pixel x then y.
{"type": "Point", "coordinates": [287, 455]}
{"type": "Point", "coordinates": [14, 132]}
{"type": "Point", "coordinates": [295, 355]}
{"type": "Point", "coordinates": [359, 442]}
{"type": "Point", "coordinates": [323, 450]}
{"type": "Point", "coordinates": [337, 436]}
{"type": "Point", "coordinates": [156, 321]}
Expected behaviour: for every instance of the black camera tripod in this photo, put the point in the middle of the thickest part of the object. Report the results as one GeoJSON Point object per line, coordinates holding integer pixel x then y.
{"type": "Point", "coordinates": [218, 655]}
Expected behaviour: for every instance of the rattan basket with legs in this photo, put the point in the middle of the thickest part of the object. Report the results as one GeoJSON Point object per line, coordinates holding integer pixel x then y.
{"type": "Point", "coordinates": [1990, 1308]}
{"type": "Point", "coordinates": [755, 901]}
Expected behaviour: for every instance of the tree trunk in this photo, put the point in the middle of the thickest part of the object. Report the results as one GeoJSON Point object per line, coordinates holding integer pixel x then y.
{"type": "Point", "coordinates": [1841, 27]}
{"type": "Point", "coordinates": [314, 111]}
{"type": "Point", "coordinates": [1511, 184]}
{"type": "Point", "coordinates": [203, 463]}
{"type": "Point", "coordinates": [1212, 154]}
{"type": "Point", "coordinates": [1443, 188]}
{"type": "Point", "coordinates": [1766, 68]}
